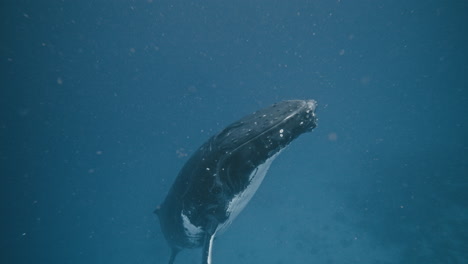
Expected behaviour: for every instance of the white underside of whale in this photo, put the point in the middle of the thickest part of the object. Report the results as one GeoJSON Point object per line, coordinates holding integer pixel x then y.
{"type": "Point", "coordinates": [240, 200]}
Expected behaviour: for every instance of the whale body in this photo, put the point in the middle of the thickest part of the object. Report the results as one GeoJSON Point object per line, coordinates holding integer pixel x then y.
{"type": "Point", "coordinates": [221, 177]}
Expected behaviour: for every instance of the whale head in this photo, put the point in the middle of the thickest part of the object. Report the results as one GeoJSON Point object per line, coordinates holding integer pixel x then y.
{"type": "Point", "coordinates": [275, 126]}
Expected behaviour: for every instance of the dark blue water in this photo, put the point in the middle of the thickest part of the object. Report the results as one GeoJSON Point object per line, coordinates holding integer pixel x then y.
{"type": "Point", "coordinates": [102, 102]}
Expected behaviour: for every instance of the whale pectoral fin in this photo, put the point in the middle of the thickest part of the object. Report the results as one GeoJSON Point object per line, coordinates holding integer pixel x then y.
{"type": "Point", "coordinates": [207, 248]}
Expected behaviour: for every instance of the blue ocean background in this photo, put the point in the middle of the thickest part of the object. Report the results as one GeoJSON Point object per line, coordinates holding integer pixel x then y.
{"type": "Point", "coordinates": [102, 102]}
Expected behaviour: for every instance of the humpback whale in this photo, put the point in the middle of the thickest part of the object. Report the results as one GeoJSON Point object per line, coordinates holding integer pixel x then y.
{"type": "Point", "coordinates": [221, 177]}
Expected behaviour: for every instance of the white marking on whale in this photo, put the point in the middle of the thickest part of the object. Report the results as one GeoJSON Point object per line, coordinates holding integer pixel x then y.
{"type": "Point", "coordinates": [192, 231]}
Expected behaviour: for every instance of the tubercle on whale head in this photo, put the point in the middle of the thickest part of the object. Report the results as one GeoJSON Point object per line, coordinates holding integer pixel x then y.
{"type": "Point", "coordinates": [312, 105]}
{"type": "Point", "coordinates": [303, 119]}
